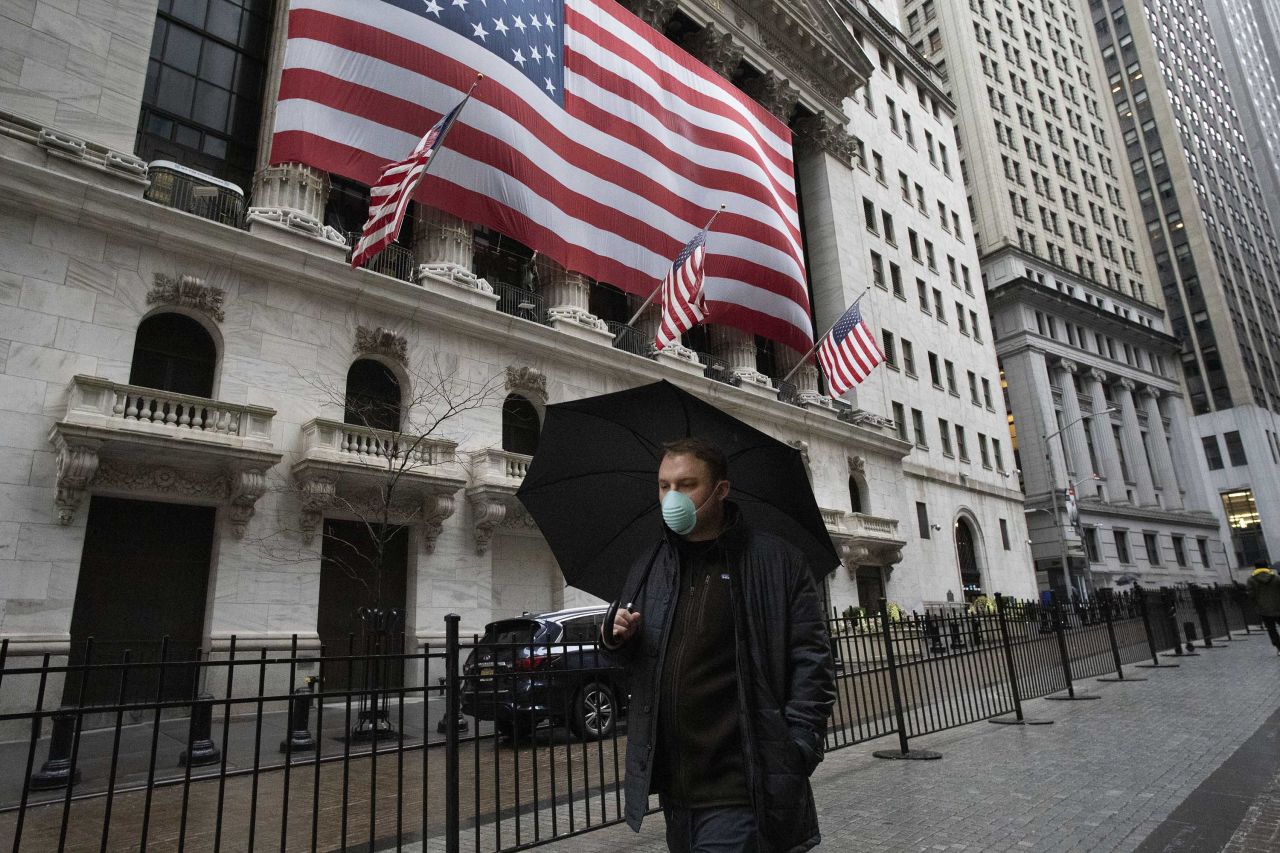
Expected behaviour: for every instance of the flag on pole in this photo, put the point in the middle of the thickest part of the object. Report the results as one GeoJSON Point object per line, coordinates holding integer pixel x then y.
{"type": "Point", "coordinates": [390, 196]}
{"type": "Point", "coordinates": [683, 305]}
{"type": "Point", "coordinates": [848, 352]}
{"type": "Point", "coordinates": [594, 139]}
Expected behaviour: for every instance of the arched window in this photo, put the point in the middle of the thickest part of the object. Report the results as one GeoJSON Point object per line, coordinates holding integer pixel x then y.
{"type": "Point", "coordinates": [373, 396]}
{"type": "Point", "coordinates": [855, 495]}
{"type": "Point", "coordinates": [172, 352]}
{"type": "Point", "coordinates": [520, 425]}
{"type": "Point", "coordinates": [967, 555]}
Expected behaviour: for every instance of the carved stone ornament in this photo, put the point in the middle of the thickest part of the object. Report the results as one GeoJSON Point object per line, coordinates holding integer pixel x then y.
{"type": "Point", "coordinates": [382, 342]}
{"type": "Point", "coordinates": [774, 93]}
{"type": "Point", "coordinates": [487, 514]}
{"type": "Point", "coordinates": [436, 508]}
{"type": "Point", "coordinates": [248, 483]}
{"type": "Point", "coordinates": [655, 13]}
{"type": "Point", "coordinates": [77, 465]}
{"type": "Point", "coordinates": [1068, 365]}
{"type": "Point", "coordinates": [528, 382]}
{"type": "Point", "coordinates": [798, 67]}
{"type": "Point", "coordinates": [857, 465]}
{"type": "Point", "coordinates": [825, 134]}
{"type": "Point", "coordinates": [716, 49]}
{"type": "Point", "coordinates": [162, 480]}
{"type": "Point", "coordinates": [187, 291]}
{"type": "Point", "coordinates": [317, 494]}
{"type": "Point", "coordinates": [1099, 376]}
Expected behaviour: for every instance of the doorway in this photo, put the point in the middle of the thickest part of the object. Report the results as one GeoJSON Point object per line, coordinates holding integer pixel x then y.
{"type": "Point", "coordinates": [351, 579]}
{"type": "Point", "coordinates": [136, 586]}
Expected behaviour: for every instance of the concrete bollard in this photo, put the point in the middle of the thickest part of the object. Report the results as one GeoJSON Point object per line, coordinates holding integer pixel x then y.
{"type": "Point", "coordinates": [200, 735]}
{"type": "Point", "coordinates": [56, 770]}
{"type": "Point", "coordinates": [299, 739]}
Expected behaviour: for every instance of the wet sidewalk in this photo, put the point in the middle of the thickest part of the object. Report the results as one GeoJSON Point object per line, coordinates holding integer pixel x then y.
{"type": "Point", "coordinates": [1109, 775]}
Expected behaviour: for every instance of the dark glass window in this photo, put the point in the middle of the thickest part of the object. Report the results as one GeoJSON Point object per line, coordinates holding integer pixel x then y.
{"type": "Point", "coordinates": [1235, 448]}
{"type": "Point", "coordinates": [520, 426]}
{"type": "Point", "coordinates": [1004, 534]}
{"type": "Point", "coordinates": [202, 101]}
{"type": "Point", "coordinates": [1122, 545]}
{"type": "Point", "coordinates": [174, 353]}
{"type": "Point", "coordinates": [922, 519]}
{"type": "Point", "coordinates": [373, 396]}
{"type": "Point", "coordinates": [855, 496]}
{"type": "Point", "coordinates": [1212, 452]}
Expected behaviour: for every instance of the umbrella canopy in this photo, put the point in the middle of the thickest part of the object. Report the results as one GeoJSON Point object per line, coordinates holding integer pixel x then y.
{"type": "Point", "coordinates": [592, 487]}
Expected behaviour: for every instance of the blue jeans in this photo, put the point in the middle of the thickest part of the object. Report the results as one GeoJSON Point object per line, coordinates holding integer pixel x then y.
{"type": "Point", "coordinates": [722, 829]}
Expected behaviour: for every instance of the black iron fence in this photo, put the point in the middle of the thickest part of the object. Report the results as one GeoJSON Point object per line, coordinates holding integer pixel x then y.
{"type": "Point", "coordinates": [477, 745]}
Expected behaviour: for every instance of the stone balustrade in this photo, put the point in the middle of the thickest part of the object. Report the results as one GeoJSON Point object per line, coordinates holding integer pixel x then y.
{"type": "Point", "coordinates": [126, 439]}
{"type": "Point", "coordinates": [101, 402]}
{"type": "Point", "coordinates": [362, 445]}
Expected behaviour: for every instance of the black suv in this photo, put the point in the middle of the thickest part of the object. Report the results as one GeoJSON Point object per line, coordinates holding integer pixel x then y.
{"type": "Point", "coordinates": [545, 667]}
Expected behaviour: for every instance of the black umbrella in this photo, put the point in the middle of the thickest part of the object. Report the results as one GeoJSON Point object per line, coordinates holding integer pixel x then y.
{"type": "Point", "coordinates": [592, 487]}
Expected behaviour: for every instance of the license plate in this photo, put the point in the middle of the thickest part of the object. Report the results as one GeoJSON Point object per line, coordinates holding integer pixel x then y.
{"type": "Point", "coordinates": [486, 672]}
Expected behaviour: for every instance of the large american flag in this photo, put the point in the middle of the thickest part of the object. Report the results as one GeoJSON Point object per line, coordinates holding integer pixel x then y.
{"type": "Point", "coordinates": [389, 197]}
{"type": "Point", "coordinates": [849, 352]}
{"type": "Point", "coordinates": [683, 303]}
{"type": "Point", "coordinates": [594, 139]}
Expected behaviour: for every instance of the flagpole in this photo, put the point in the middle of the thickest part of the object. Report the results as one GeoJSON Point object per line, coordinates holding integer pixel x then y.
{"type": "Point", "coordinates": [818, 342]}
{"type": "Point", "coordinates": [649, 299]}
{"type": "Point", "coordinates": [379, 211]}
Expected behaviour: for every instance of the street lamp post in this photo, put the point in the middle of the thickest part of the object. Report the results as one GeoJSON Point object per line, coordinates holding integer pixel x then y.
{"type": "Point", "coordinates": [1053, 493]}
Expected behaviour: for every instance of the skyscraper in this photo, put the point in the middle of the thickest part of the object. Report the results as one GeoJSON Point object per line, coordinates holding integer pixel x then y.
{"type": "Point", "coordinates": [1248, 38]}
{"type": "Point", "coordinates": [1093, 390]}
{"type": "Point", "coordinates": [1214, 248]}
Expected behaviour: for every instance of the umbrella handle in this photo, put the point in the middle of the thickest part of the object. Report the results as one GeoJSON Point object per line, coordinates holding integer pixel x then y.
{"type": "Point", "coordinates": [612, 612]}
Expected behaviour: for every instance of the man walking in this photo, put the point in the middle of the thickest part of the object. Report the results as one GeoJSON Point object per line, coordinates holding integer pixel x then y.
{"type": "Point", "coordinates": [1264, 588]}
{"type": "Point", "coordinates": [732, 680]}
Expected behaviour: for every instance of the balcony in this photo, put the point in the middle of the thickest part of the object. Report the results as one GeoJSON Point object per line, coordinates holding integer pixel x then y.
{"type": "Point", "coordinates": [495, 476]}
{"type": "Point", "coordinates": [376, 475]}
{"type": "Point", "coordinates": [194, 192]}
{"type": "Point", "coordinates": [118, 438]}
{"type": "Point", "coordinates": [864, 540]}
{"type": "Point", "coordinates": [394, 260]}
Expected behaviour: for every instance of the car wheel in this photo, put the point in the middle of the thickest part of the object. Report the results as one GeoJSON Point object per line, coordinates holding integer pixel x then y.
{"type": "Point", "coordinates": [595, 711]}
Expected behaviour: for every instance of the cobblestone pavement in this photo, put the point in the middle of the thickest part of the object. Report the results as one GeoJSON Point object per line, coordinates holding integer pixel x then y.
{"type": "Point", "coordinates": [1102, 778]}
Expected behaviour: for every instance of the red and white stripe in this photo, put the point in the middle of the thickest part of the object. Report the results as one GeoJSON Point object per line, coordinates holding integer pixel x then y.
{"type": "Point", "coordinates": [648, 144]}
{"type": "Point", "coordinates": [683, 304]}
{"type": "Point", "coordinates": [389, 199]}
{"type": "Point", "coordinates": [849, 361]}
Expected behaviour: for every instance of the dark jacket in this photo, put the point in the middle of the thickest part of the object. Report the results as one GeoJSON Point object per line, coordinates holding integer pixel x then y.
{"type": "Point", "coordinates": [785, 677]}
{"type": "Point", "coordinates": [1264, 589]}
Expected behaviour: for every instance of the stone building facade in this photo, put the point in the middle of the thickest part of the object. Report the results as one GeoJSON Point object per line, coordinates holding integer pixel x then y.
{"type": "Point", "coordinates": [1094, 389]}
{"type": "Point", "coordinates": [197, 391]}
{"type": "Point", "coordinates": [1205, 208]}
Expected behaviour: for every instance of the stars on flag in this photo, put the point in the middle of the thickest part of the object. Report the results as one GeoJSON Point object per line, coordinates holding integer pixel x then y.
{"type": "Point", "coordinates": [528, 34]}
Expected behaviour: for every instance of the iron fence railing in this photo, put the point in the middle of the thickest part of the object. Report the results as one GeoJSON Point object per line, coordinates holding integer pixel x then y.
{"type": "Point", "coordinates": [394, 260]}
{"type": "Point", "coordinates": [173, 185]}
{"type": "Point", "coordinates": [476, 745]}
{"type": "Point", "coordinates": [520, 302]}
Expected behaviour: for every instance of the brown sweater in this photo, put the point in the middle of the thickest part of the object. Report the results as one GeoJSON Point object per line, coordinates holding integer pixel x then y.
{"type": "Point", "coordinates": [699, 754]}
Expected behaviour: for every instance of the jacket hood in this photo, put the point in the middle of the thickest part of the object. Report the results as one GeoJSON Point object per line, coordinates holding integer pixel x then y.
{"type": "Point", "coordinates": [1264, 575]}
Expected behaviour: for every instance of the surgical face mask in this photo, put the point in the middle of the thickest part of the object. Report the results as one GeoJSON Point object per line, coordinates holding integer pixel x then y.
{"type": "Point", "coordinates": [679, 513]}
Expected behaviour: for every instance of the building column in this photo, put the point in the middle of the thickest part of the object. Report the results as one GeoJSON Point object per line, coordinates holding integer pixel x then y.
{"type": "Point", "coordinates": [1031, 398]}
{"type": "Point", "coordinates": [805, 379]}
{"type": "Point", "coordinates": [738, 350]}
{"type": "Point", "coordinates": [1158, 442]}
{"type": "Point", "coordinates": [1186, 447]}
{"type": "Point", "coordinates": [444, 246]}
{"type": "Point", "coordinates": [1131, 432]}
{"type": "Point", "coordinates": [1073, 436]}
{"type": "Point", "coordinates": [1104, 441]}
{"type": "Point", "coordinates": [287, 196]}
{"type": "Point", "coordinates": [568, 301]}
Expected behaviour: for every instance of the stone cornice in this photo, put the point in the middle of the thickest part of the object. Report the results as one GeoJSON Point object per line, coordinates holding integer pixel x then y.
{"type": "Point", "coordinates": [1023, 289]}
{"type": "Point", "coordinates": [1137, 515]}
{"type": "Point", "coordinates": [36, 182]}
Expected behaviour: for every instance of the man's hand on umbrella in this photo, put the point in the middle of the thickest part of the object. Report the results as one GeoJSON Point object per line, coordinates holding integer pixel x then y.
{"type": "Point", "coordinates": [625, 624]}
